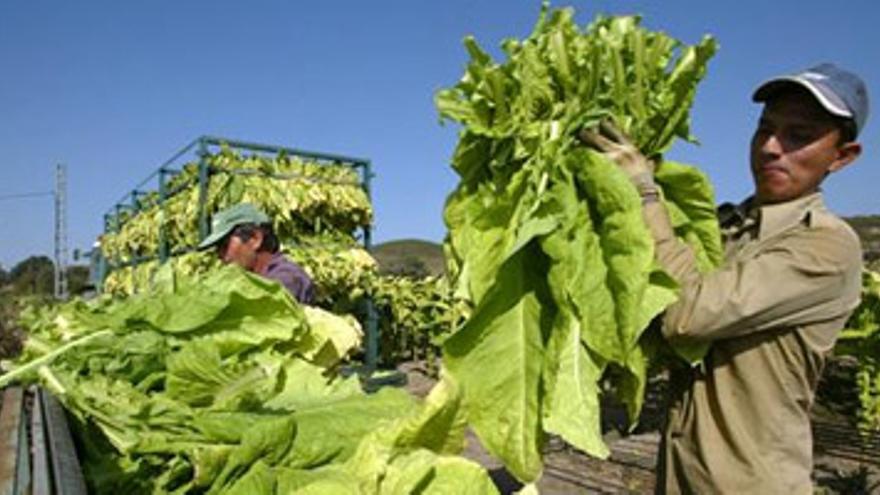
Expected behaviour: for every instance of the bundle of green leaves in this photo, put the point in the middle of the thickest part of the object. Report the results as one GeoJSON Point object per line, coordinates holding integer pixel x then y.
{"type": "Point", "coordinates": [225, 385]}
{"type": "Point", "coordinates": [546, 236]}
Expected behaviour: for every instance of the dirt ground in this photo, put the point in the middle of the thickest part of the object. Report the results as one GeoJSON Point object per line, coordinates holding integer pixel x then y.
{"type": "Point", "coordinates": [846, 462]}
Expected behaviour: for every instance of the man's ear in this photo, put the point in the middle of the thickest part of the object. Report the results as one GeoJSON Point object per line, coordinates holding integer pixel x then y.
{"type": "Point", "coordinates": [256, 239]}
{"type": "Point", "coordinates": [846, 153]}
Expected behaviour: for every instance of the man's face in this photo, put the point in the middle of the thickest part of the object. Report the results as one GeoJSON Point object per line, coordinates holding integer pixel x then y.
{"type": "Point", "coordinates": [794, 147]}
{"type": "Point", "coordinates": [233, 249]}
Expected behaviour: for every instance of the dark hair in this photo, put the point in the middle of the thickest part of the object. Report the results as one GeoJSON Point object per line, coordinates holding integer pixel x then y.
{"type": "Point", "coordinates": [847, 128]}
{"type": "Point", "coordinates": [246, 231]}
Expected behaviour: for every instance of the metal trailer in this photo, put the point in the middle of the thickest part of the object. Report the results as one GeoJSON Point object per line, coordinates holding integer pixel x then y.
{"type": "Point", "coordinates": [37, 453]}
{"type": "Point", "coordinates": [203, 146]}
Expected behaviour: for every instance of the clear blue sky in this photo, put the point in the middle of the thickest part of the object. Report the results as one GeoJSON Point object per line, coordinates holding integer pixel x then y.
{"type": "Point", "coordinates": [112, 89]}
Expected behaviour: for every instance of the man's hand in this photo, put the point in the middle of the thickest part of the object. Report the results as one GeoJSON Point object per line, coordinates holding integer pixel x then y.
{"type": "Point", "coordinates": [615, 145]}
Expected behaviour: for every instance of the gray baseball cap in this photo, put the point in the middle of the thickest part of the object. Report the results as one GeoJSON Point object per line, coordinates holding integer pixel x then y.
{"type": "Point", "coordinates": [224, 221]}
{"type": "Point", "coordinates": [839, 91]}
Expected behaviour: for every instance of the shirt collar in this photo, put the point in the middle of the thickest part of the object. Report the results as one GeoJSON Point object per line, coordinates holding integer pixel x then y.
{"type": "Point", "coordinates": [776, 218]}
{"type": "Point", "coordinates": [274, 260]}
{"type": "Point", "coordinates": [738, 217]}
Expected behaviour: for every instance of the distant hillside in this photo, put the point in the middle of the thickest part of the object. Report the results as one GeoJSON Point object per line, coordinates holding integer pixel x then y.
{"type": "Point", "coordinates": [410, 256]}
{"type": "Point", "coordinates": [868, 228]}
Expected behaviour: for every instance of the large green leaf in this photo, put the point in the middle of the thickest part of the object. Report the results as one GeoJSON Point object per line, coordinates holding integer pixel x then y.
{"type": "Point", "coordinates": [197, 376]}
{"type": "Point", "coordinates": [264, 444]}
{"type": "Point", "coordinates": [585, 315]}
{"type": "Point", "coordinates": [424, 472]}
{"type": "Point", "coordinates": [409, 454]}
{"type": "Point", "coordinates": [331, 337]}
{"type": "Point", "coordinates": [497, 358]}
{"type": "Point", "coordinates": [330, 431]}
{"type": "Point", "coordinates": [304, 385]}
{"type": "Point", "coordinates": [689, 191]}
{"type": "Point", "coordinates": [572, 409]}
{"type": "Point", "coordinates": [332, 479]}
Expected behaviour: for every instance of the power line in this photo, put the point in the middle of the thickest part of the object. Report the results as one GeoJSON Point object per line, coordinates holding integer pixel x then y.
{"type": "Point", "coordinates": [26, 195]}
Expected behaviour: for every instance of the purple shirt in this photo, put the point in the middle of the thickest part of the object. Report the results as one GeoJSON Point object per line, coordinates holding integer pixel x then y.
{"type": "Point", "coordinates": [292, 277]}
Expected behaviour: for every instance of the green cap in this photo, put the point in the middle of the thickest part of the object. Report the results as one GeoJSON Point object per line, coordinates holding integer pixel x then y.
{"type": "Point", "coordinates": [224, 221]}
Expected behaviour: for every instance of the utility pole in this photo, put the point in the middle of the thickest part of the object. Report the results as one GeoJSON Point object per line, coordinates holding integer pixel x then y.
{"type": "Point", "coordinates": [60, 232]}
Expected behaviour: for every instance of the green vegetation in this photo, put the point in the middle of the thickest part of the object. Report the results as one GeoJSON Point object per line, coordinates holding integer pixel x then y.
{"type": "Point", "coordinates": [225, 385]}
{"type": "Point", "coordinates": [861, 339]}
{"type": "Point", "coordinates": [415, 316]}
{"type": "Point", "coordinates": [546, 237]}
{"type": "Point", "coordinates": [10, 334]}
{"type": "Point", "coordinates": [316, 209]}
{"type": "Point", "coordinates": [312, 200]}
{"type": "Point", "coordinates": [35, 276]}
{"type": "Point", "coordinates": [30, 282]}
{"type": "Point", "coordinates": [197, 378]}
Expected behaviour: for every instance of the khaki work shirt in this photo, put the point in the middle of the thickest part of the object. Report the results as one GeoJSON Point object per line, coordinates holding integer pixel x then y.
{"type": "Point", "coordinates": [739, 422]}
